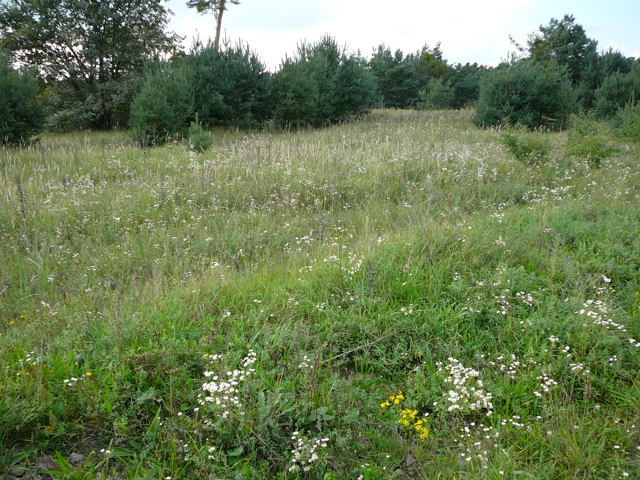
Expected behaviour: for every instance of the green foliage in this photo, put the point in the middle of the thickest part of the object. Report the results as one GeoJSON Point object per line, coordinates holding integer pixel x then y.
{"type": "Point", "coordinates": [203, 6]}
{"type": "Point", "coordinates": [565, 42]}
{"type": "Point", "coordinates": [438, 95]}
{"type": "Point", "coordinates": [231, 87]}
{"type": "Point", "coordinates": [465, 80]}
{"type": "Point", "coordinates": [21, 114]}
{"type": "Point", "coordinates": [199, 139]}
{"type": "Point", "coordinates": [526, 147]}
{"type": "Point", "coordinates": [86, 49]}
{"type": "Point", "coordinates": [525, 93]}
{"type": "Point", "coordinates": [627, 123]}
{"type": "Point", "coordinates": [163, 108]}
{"type": "Point", "coordinates": [321, 85]}
{"type": "Point", "coordinates": [109, 103]}
{"type": "Point", "coordinates": [617, 90]}
{"type": "Point", "coordinates": [401, 78]}
{"type": "Point", "coordinates": [587, 140]}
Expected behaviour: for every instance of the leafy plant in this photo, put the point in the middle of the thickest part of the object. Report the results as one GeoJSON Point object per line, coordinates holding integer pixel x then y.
{"type": "Point", "coordinates": [526, 148]}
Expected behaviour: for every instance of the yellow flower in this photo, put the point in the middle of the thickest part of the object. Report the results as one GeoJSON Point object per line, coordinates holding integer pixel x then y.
{"type": "Point", "coordinates": [408, 413]}
{"type": "Point", "coordinates": [87, 374]}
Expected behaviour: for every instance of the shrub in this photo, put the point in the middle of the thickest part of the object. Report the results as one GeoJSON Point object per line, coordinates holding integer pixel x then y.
{"type": "Point", "coordinates": [199, 140]}
{"type": "Point", "coordinates": [465, 81]}
{"type": "Point", "coordinates": [231, 86]}
{"type": "Point", "coordinates": [322, 85]}
{"type": "Point", "coordinates": [354, 91]}
{"type": "Point", "coordinates": [527, 94]}
{"type": "Point", "coordinates": [588, 141]}
{"type": "Point", "coordinates": [163, 108]}
{"type": "Point", "coordinates": [70, 120]}
{"type": "Point", "coordinates": [627, 123]}
{"type": "Point", "coordinates": [616, 91]}
{"type": "Point", "coordinates": [297, 95]}
{"type": "Point", "coordinates": [21, 114]}
{"type": "Point", "coordinates": [526, 148]}
{"type": "Point", "coordinates": [438, 95]}
{"type": "Point", "coordinates": [106, 105]}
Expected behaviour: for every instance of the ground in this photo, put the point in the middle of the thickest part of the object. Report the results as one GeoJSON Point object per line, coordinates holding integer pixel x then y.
{"type": "Point", "coordinates": [395, 297]}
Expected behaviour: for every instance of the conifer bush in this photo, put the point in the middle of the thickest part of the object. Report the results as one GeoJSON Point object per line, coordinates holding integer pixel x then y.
{"type": "Point", "coordinates": [527, 94]}
{"type": "Point", "coordinates": [321, 85]}
{"type": "Point", "coordinates": [21, 114]}
{"type": "Point", "coordinates": [617, 90]}
{"type": "Point", "coordinates": [163, 108]}
{"type": "Point", "coordinates": [231, 87]}
{"type": "Point", "coordinates": [438, 95]}
{"type": "Point", "coordinates": [199, 139]}
{"type": "Point", "coordinates": [627, 123]}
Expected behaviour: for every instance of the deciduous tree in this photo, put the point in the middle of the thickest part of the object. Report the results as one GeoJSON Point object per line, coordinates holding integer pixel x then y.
{"type": "Point", "coordinates": [88, 46]}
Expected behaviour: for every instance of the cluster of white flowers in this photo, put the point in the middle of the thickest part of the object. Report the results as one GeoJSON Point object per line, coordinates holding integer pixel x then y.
{"type": "Point", "coordinates": [475, 441]}
{"type": "Point", "coordinates": [32, 359]}
{"type": "Point", "coordinates": [525, 298]}
{"type": "Point", "coordinates": [508, 366]}
{"type": "Point", "coordinates": [223, 391]}
{"type": "Point", "coordinates": [466, 392]}
{"type": "Point", "coordinates": [503, 302]}
{"type": "Point", "coordinates": [70, 382]}
{"type": "Point", "coordinates": [579, 369]}
{"type": "Point", "coordinates": [305, 451]}
{"type": "Point", "coordinates": [305, 363]}
{"type": "Point", "coordinates": [598, 311]}
{"type": "Point", "coordinates": [546, 383]}
{"type": "Point", "coordinates": [408, 310]}
{"type": "Point", "coordinates": [515, 421]}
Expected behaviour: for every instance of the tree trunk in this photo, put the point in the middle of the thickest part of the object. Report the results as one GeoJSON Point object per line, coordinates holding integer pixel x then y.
{"type": "Point", "coordinates": [216, 43]}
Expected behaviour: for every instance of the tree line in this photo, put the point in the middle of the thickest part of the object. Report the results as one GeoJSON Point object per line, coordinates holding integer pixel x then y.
{"type": "Point", "coordinates": [99, 64]}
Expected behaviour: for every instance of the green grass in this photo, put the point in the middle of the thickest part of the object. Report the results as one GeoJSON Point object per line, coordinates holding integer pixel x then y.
{"type": "Point", "coordinates": [356, 261]}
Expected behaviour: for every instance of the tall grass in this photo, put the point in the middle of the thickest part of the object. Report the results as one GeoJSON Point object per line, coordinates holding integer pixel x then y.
{"type": "Point", "coordinates": [406, 252]}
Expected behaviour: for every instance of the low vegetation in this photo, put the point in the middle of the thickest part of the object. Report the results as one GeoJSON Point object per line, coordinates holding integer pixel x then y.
{"type": "Point", "coordinates": [390, 298]}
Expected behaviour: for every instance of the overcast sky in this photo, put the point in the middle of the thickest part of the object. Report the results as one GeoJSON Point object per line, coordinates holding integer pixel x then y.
{"type": "Point", "coordinates": [468, 30]}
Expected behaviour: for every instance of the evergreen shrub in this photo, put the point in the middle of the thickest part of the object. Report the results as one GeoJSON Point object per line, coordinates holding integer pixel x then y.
{"type": "Point", "coordinates": [163, 108]}
{"type": "Point", "coordinates": [527, 94]}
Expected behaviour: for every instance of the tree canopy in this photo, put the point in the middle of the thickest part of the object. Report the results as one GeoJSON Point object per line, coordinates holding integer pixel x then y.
{"type": "Point", "coordinates": [85, 44]}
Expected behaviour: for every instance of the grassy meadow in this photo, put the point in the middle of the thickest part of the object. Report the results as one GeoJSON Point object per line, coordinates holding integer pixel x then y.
{"type": "Point", "coordinates": [391, 298]}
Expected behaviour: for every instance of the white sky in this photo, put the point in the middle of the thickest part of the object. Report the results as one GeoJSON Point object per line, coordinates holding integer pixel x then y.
{"type": "Point", "coordinates": [469, 31]}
